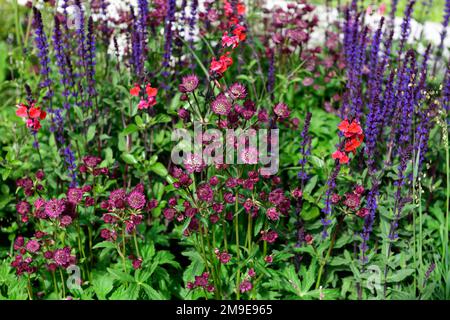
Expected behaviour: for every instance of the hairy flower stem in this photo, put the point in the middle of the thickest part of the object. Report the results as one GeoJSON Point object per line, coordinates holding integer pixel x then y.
{"type": "Point", "coordinates": [81, 249]}
{"type": "Point", "coordinates": [30, 290]}
{"type": "Point", "coordinates": [55, 283]}
{"type": "Point", "coordinates": [324, 261]}
{"type": "Point", "coordinates": [62, 284]}
{"type": "Point", "coordinates": [224, 230]}
{"type": "Point", "coordinates": [238, 250]}
{"type": "Point", "coordinates": [213, 267]}
{"type": "Point", "coordinates": [136, 244]}
{"type": "Point", "coordinates": [249, 232]}
{"type": "Point", "coordinates": [202, 250]}
{"type": "Point", "coordinates": [124, 249]}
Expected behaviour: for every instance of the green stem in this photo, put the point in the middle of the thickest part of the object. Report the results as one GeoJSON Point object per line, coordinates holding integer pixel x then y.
{"type": "Point", "coordinates": [238, 250]}
{"type": "Point", "coordinates": [136, 244]}
{"type": "Point", "coordinates": [55, 284]}
{"type": "Point", "coordinates": [30, 290]}
{"type": "Point", "coordinates": [324, 262]}
{"type": "Point", "coordinates": [62, 284]}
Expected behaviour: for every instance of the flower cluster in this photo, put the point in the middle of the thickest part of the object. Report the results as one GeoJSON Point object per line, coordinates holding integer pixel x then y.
{"type": "Point", "coordinates": [124, 211]}
{"type": "Point", "coordinates": [353, 136]}
{"type": "Point", "coordinates": [32, 114]}
{"type": "Point", "coordinates": [235, 34]}
{"type": "Point", "coordinates": [201, 282]}
{"type": "Point", "coordinates": [147, 96]}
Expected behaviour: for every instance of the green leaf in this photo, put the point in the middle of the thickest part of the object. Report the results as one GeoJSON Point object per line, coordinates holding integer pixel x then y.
{"type": "Point", "coordinates": [132, 128]}
{"type": "Point", "coordinates": [90, 133]}
{"type": "Point", "coordinates": [129, 158]}
{"type": "Point", "coordinates": [152, 294]}
{"type": "Point", "coordinates": [310, 214]}
{"type": "Point", "coordinates": [102, 284]}
{"type": "Point", "coordinates": [104, 244]}
{"type": "Point", "coordinates": [162, 118]}
{"type": "Point", "coordinates": [159, 169]}
{"type": "Point", "coordinates": [400, 275]}
{"type": "Point", "coordinates": [120, 275]}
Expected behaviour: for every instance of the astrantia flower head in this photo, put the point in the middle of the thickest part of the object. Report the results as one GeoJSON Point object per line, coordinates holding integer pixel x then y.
{"type": "Point", "coordinates": [117, 198]}
{"type": "Point", "coordinates": [309, 239]}
{"type": "Point", "coordinates": [249, 155]}
{"type": "Point", "coordinates": [205, 193]}
{"type": "Point", "coordinates": [23, 208]}
{"type": "Point", "coordinates": [352, 200]}
{"type": "Point", "coordinates": [136, 200]}
{"type": "Point", "coordinates": [194, 163]}
{"type": "Point", "coordinates": [92, 161]}
{"type": "Point", "coordinates": [237, 91]}
{"type": "Point", "coordinates": [188, 83]}
{"type": "Point", "coordinates": [75, 195]}
{"type": "Point", "coordinates": [137, 263]}
{"type": "Point", "coordinates": [221, 106]}
{"type": "Point", "coordinates": [19, 242]}
{"type": "Point", "coordinates": [62, 257]}
{"type": "Point", "coordinates": [281, 110]}
{"type": "Point", "coordinates": [224, 257]}
{"type": "Point", "coordinates": [33, 246]}
{"type": "Point", "coordinates": [273, 214]}
{"type": "Point", "coordinates": [269, 236]}
{"type": "Point", "coordinates": [245, 286]}
{"type": "Point", "coordinates": [65, 220]}
{"type": "Point", "coordinates": [105, 234]}
{"type": "Point", "coordinates": [54, 208]}
{"type": "Point", "coordinates": [169, 213]}
{"type": "Point", "coordinates": [363, 212]}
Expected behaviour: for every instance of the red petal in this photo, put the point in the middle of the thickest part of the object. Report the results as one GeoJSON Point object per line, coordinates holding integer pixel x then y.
{"type": "Point", "coordinates": [135, 91]}
{"type": "Point", "coordinates": [35, 113]}
{"type": "Point", "coordinates": [22, 112]}
{"type": "Point", "coordinates": [343, 126]}
{"type": "Point", "coordinates": [151, 92]}
{"type": "Point", "coordinates": [355, 128]}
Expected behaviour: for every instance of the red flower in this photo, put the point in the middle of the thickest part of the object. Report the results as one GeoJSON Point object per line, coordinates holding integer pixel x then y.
{"type": "Point", "coordinates": [353, 143]}
{"type": "Point", "coordinates": [135, 90]}
{"type": "Point", "coordinates": [221, 65]}
{"type": "Point", "coordinates": [239, 32]}
{"type": "Point", "coordinates": [33, 115]}
{"type": "Point", "coordinates": [151, 101]}
{"type": "Point", "coordinates": [142, 105]}
{"type": "Point", "coordinates": [37, 113]}
{"type": "Point", "coordinates": [22, 111]}
{"type": "Point", "coordinates": [342, 156]}
{"type": "Point", "coordinates": [151, 92]}
{"type": "Point", "coordinates": [354, 137]}
{"type": "Point", "coordinates": [350, 129]}
{"type": "Point", "coordinates": [228, 41]}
